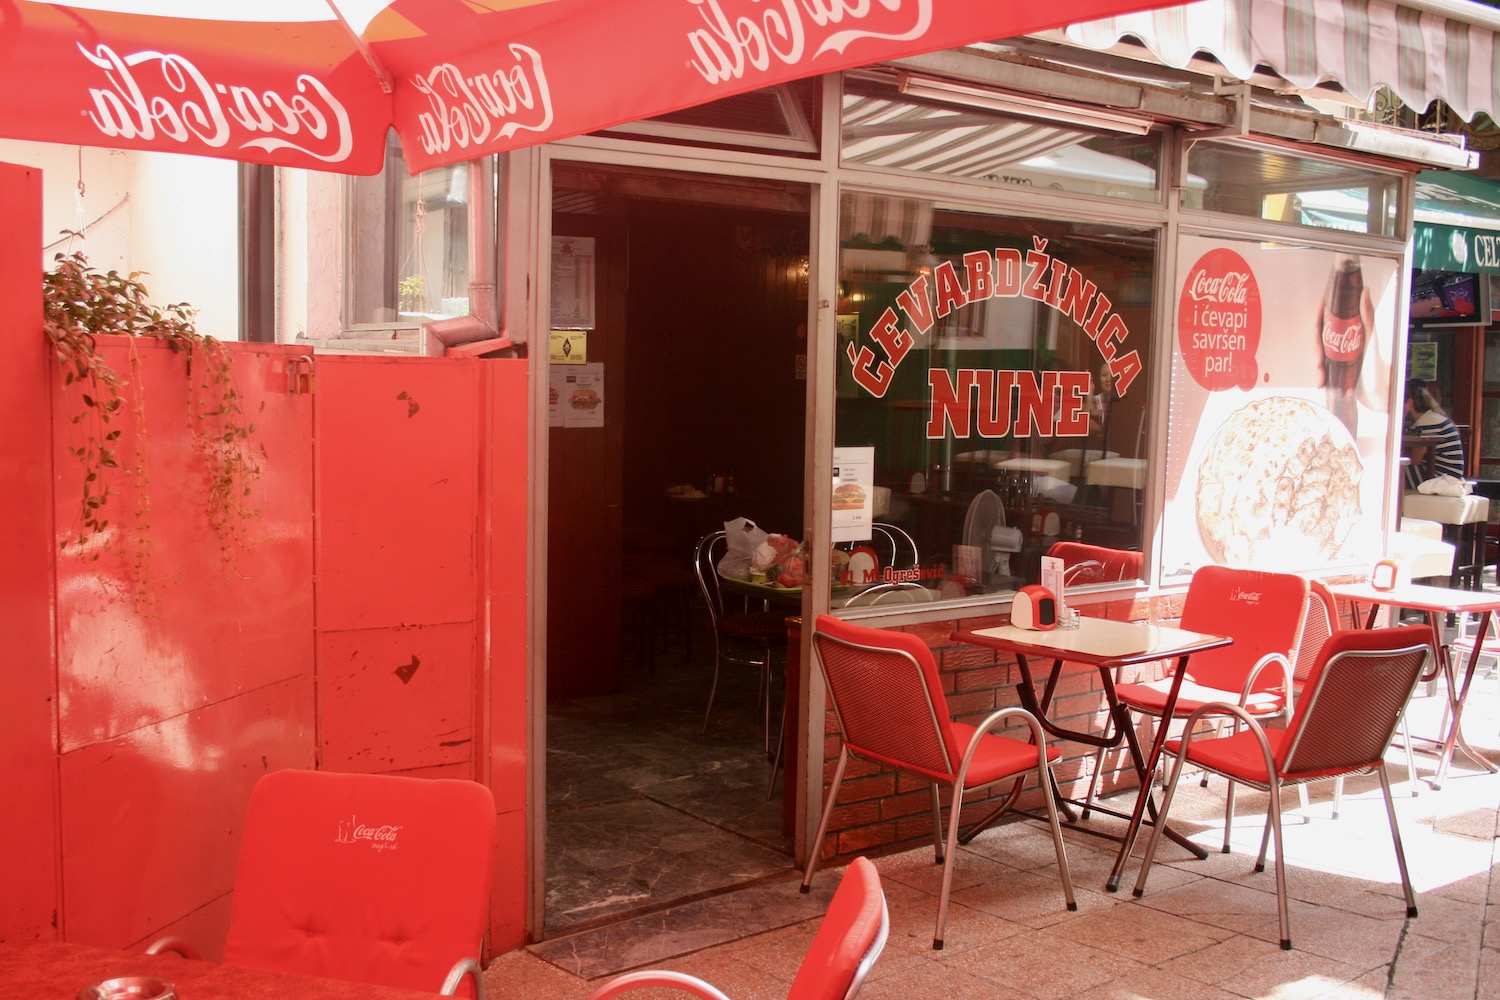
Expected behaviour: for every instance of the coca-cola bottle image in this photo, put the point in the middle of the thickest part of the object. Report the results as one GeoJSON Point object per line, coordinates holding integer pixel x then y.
{"type": "Point", "coordinates": [1343, 334]}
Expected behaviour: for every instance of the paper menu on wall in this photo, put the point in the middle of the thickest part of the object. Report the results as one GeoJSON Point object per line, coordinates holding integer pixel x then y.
{"type": "Point", "coordinates": [853, 494]}
{"type": "Point", "coordinates": [576, 396]}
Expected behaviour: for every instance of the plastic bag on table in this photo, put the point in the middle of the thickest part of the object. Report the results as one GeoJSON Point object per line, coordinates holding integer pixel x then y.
{"type": "Point", "coordinates": [742, 537]}
{"type": "Point", "coordinates": [1447, 486]}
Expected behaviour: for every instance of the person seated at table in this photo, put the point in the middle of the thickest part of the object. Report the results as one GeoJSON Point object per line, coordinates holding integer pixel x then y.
{"type": "Point", "coordinates": [1425, 419]}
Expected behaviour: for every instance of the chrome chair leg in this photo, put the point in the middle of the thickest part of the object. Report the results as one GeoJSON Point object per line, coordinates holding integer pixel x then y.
{"type": "Point", "coordinates": [817, 844]}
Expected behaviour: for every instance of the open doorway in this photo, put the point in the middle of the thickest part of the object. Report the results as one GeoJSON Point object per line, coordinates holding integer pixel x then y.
{"type": "Point", "coordinates": [679, 309]}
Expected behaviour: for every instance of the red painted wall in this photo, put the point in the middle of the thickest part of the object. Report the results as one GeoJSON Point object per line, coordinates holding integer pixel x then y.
{"type": "Point", "coordinates": [373, 621]}
{"type": "Point", "coordinates": [28, 837]}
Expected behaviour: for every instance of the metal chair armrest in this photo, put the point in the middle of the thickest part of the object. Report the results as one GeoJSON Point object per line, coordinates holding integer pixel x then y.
{"type": "Point", "coordinates": [1241, 716]}
{"type": "Point", "coordinates": [671, 980]}
{"type": "Point", "coordinates": [172, 945]}
{"type": "Point", "coordinates": [464, 967]}
{"type": "Point", "coordinates": [990, 722]}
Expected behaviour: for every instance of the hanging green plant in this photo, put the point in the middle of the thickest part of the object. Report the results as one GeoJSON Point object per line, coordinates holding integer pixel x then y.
{"type": "Point", "coordinates": [79, 303]}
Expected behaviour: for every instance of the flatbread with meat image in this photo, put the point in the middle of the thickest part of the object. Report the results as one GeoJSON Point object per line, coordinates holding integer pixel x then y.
{"type": "Point", "coordinates": [1279, 481]}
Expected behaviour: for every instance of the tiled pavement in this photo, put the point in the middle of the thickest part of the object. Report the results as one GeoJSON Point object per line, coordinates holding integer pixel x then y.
{"type": "Point", "coordinates": [1204, 930]}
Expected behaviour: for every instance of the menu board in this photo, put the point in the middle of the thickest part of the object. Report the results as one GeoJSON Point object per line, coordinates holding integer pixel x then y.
{"type": "Point", "coordinates": [853, 494]}
{"type": "Point", "coordinates": [575, 396]}
{"type": "Point", "coordinates": [573, 282]}
{"type": "Point", "coordinates": [1280, 407]}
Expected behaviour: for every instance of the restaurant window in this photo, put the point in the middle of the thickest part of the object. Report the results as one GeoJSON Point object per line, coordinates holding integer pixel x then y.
{"type": "Point", "coordinates": [992, 376]}
{"type": "Point", "coordinates": [408, 245]}
{"type": "Point", "coordinates": [780, 119]}
{"type": "Point", "coordinates": [1281, 186]}
{"type": "Point", "coordinates": [948, 129]}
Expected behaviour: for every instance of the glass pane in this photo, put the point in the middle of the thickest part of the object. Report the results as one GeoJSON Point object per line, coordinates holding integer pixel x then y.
{"type": "Point", "coordinates": [883, 127]}
{"type": "Point", "coordinates": [409, 245]}
{"type": "Point", "coordinates": [1285, 187]}
{"type": "Point", "coordinates": [995, 371]}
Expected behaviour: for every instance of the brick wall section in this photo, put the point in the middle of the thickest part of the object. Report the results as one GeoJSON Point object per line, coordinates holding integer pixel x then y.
{"type": "Point", "coordinates": [881, 811]}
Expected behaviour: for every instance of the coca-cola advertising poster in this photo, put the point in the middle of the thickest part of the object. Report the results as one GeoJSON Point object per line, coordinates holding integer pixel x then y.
{"type": "Point", "coordinates": [1280, 407]}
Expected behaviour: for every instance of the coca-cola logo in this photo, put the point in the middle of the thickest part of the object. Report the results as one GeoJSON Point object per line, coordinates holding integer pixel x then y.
{"type": "Point", "coordinates": [1218, 321]}
{"type": "Point", "coordinates": [380, 837]}
{"type": "Point", "coordinates": [1343, 339]}
{"type": "Point", "coordinates": [752, 35]}
{"type": "Point", "coordinates": [465, 111]}
{"type": "Point", "coordinates": [157, 95]}
{"type": "Point", "coordinates": [1232, 287]}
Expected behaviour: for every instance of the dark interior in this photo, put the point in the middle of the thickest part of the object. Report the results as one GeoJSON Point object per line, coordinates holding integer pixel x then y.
{"type": "Point", "coordinates": [701, 321]}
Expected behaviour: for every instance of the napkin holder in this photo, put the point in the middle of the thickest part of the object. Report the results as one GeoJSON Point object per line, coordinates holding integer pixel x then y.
{"type": "Point", "coordinates": [1034, 608]}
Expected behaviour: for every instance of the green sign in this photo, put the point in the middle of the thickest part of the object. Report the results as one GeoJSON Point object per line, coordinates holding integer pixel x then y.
{"type": "Point", "coordinates": [1421, 361]}
{"type": "Point", "coordinates": [1458, 223]}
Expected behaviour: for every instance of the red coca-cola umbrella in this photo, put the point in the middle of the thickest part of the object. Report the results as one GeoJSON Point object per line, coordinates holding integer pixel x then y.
{"type": "Point", "coordinates": [318, 83]}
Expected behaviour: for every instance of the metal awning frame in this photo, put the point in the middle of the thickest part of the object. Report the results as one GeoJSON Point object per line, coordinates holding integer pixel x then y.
{"type": "Point", "coordinates": [1202, 105]}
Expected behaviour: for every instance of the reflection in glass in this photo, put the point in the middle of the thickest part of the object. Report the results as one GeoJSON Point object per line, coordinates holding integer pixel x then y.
{"type": "Point", "coordinates": [998, 368]}
{"type": "Point", "coordinates": [408, 244]}
{"type": "Point", "coordinates": [1286, 187]}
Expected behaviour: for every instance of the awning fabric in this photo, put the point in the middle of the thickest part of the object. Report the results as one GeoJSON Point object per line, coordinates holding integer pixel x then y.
{"type": "Point", "coordinates": [1458, 223]}
{"type": "Point", "coordinates": [1422, 52]}
{"type": "Point", "coordinates": [285, 83]}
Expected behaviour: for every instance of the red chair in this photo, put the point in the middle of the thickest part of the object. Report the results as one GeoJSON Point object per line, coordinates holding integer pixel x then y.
{"type": "Point", "coordinates": [1319, 625]}
{"type": "Point", "coordinates": [1262, 612]}
{"type": "Point", "coordinates": [849, 939]}
{"type": "Point", "coordinates": [1348, 714]}
{"type": "Point", "coordinates": [371, 878]}
{"type": "Point", "coordinates": [889, 701]}
{"type": "Point", "coordinates": [1084, 564]}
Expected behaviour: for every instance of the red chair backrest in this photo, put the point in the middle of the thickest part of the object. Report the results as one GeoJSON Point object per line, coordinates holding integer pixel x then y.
{"type": "Point", "coordinates": [1352, 701]}
{"type": "Point", "coordinates": [1113, 564]}
{"type": "Point", "coordinates": [853, 925]}
{"type": "Point", "coordinates": [1262, 612]}
{"type": "Point", "coordinates": [370, 878]}
{"type": "Point", "coordinates": [889, 700]}
{"type": "Point", "coordinates": [1320, 622]}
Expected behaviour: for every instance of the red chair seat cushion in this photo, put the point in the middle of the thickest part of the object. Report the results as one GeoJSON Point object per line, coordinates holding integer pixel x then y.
{"type": "Point", "coordinates": [1240, 757]}
{"type": "Point", "coordinates": [998, 756]}
{"type": "Point", "coordinates": [1151, 698]}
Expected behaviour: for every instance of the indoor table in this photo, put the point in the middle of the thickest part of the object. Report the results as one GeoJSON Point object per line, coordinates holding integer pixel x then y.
{"type": "Point", "coordinates": [1105, 645]}
{"type": "Point", "coordinates": [38, 969]}
{"type": "Point", "coordinates": [1435, 602]}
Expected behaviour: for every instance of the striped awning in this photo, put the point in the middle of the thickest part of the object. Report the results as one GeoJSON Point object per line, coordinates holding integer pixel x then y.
{"type": "Point", "coordinates": [1423, 50]}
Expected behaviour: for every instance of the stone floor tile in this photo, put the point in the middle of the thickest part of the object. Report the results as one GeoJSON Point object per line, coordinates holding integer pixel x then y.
{"type": "Point", "coordinates": [1034, 899]}
{"type": "Point", "coordinates": [1137, 932]}
{"type": "Point", "coordinates": [1218, 904]}
{"type": "Point", "coordinates": [928, 980]}
{"type": "Point", "coordinates": [1033, 963]}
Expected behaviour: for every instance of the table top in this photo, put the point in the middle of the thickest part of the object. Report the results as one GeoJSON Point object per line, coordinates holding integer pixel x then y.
{"type": "Point", "coordinates": [1419, 596]}
{"type": "Point", "coordinates": [1117, 472]}
{"type": "Point", "coordinates": [61, 968]}
{"type": "Point", "coordinates": [1098, 641]}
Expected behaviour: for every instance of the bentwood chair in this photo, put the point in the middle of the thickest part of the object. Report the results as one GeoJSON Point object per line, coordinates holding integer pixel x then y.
{"type": "Point", "coordinates": [889, 702]}
{"type": "Point", "coordinates": [371, 878]}
{"type": "Point", "coordinates": [1350, 707]}
{"type": "Point", "coordinates": [741, 636]}
{"type": "Point", "coordinates": [849, 939]}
